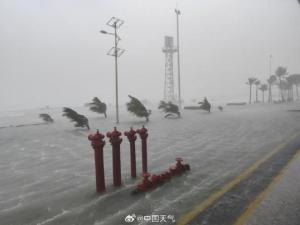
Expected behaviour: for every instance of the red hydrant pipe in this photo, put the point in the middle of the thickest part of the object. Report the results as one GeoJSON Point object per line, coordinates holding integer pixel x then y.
{"type": "Point", "coordinates": [98, 144]}
{"type": "Point", "coordinates": [115, 140]}
{"type": "Point", "coordinates": [143, 135]}
{"type": "Point", "coordinates": [132, 138]}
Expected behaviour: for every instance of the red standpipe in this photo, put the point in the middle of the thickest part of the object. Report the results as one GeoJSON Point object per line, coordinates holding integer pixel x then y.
{"type": "Point", "coordinates": [115, 140]}
{"type": "Point", "coordinates": [131, 135]}
{"type": "Point", "coordinates": [143, 135]}
{"type": "Point", "coordinates": [98, 144]}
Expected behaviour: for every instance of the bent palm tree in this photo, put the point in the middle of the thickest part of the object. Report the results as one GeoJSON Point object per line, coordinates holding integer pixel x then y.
{"type": "Point", "coordinates": [46, 117]}
{"type": "Point", "coordinates": [280, 72]}
{"type": "Point", "coordinates": [205, 105]}
{"type": "Point", "coordinates": [250, 82]}
{"type": "Point", "coordinates": [271, 82]}
{"type": "Point", "coordinates": [169, 108]}
{"type": "Point", "coordinates": [137, 108]}
{"type": "Point", "coordinates": [80, 120]}
{"type": "Point", "coordinates": [263, 88]}
{"type": "Point", "coordinates": [97, 106]}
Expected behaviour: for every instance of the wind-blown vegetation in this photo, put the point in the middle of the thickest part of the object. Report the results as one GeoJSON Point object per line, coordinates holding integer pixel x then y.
{"type": "Point", "coordinates": [272, 79]}
{"type": "Point", "coordinates": [97, 106]}
{"type": "Point", "coordinates": [250, 82]}
{"type": "Point", "coordinates": [286, 85]}
{"type": "Point", "coordinates": [263, 88]}
{"type": "Point", "coordinates": [205, 105]}
{"type": "Point", "coordinates": [46, 117]}
{"type": "Point", "coordinates": [169, 108]}
{"type": "Point", "coordinates": [80, 120]}
{"type": "Point", "coordinates": [257, 83]}
{"type": "Point", "coordinates": [137, 108]}
{"type": "Point", "coordinates": [280, 73]}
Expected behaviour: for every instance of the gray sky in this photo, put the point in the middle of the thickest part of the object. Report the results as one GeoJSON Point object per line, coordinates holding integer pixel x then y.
{"type": "Point", "coordinates": [51, 52]}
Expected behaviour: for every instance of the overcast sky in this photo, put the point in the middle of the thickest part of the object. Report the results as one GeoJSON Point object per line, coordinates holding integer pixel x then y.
{"type": "Point", "coordinates": [51, 51]}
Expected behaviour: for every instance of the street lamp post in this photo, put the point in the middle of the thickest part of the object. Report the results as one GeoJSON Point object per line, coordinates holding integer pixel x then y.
{"type": "Point", "coordinates": [116, 52]}
{"type": "Point", "coordinates": [177, 11]}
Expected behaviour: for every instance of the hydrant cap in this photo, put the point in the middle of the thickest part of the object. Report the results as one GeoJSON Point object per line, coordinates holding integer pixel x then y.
{"type": "Point", "coordinates": [142, 130]}
{"type": "Point", "coordinates": [114, 134]}
{"type": "Point", "coordinates": [96, 136]}
{"type": "Point", "coordinates": [131, 132]}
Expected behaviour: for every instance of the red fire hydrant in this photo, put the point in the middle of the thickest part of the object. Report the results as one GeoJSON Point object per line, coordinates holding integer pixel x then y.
{"type": "Point", "coordinates": [98, 144]}
{"type": "Point", "coordinates": [115, 140]}
{"type": "Point", "coordinates": [131, 135]}
{"type": "Point", "coordinates": [143, 135]}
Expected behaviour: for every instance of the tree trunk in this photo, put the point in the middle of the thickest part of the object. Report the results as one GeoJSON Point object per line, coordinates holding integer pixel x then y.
{"type": "Point", "coordinates": [250, 93]}
{"type": "Point", "coordinates": [270, 94]}
{"type": "Point", "coordinates": [280, 87]}
{"type": "Point", "coordinates": [256, 94]}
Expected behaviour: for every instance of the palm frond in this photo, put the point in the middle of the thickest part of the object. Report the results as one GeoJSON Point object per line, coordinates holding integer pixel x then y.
{"type": "Point", "coordinates": [97, 106]}
{"type": "Point", "coordinates": [137, 108]}
{"type": "Point", "coordinates": [46, 117]}
{"type": "Point", "coordinates": [281, 71]}
{"type": "Point", "coordinates": [205, 105]}
{"type": "Point", "coordinates": [169, 108]}
{"type": "Point", "coordinates": [263, 87]}
{"type": "Point", "coordinates": [80, 120]}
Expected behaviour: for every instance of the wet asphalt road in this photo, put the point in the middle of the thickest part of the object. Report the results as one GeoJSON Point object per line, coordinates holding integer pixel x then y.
{"type": "Point", "coordinates": [228, 208]}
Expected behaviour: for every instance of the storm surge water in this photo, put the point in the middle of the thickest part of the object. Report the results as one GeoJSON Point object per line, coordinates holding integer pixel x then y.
{"type": "Point", "coordinates": [47, 171]}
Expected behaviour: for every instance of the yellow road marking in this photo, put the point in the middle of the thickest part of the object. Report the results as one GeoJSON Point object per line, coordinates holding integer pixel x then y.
{"type": "Point", "coordinates": [216, 195]}
{"type": "Point", "coordinates": [253, 205]}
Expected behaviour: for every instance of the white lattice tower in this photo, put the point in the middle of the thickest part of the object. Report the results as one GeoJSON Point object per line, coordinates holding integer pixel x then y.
{"type": "Point", "coordinates": [169, 50]}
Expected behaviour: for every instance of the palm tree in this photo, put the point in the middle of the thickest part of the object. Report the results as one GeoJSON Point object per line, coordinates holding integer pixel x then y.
{"type": "Point", "coordinates": [290, 81]}
{"type": "Point", "coordinates": [97, 106]}
{"type": "Point", "coordinates": [80, 120]}
{"type": "Point", "coordinates": [46, 117]}
{"type": "Point", "coordinates": [271, 81]}
{"type": "Point", "coordinates": [205, 105]}
{"type": "Point", "coordinates": [263, 88]}
{"type": "Point", "coordinates": [280, 72]}
{"type": "Point", "coordinates": [250, 82]}
{"type": "Point", "coordinates": [296, 81]}
{"type": "Point", "coordinates": [257, 83]}
{"type": "Point", "coordinates": [169, 108]}
{"type": "Point", "coordinates": [284, 87]}
{"type": "Point", "coordinates": [137, 108]}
